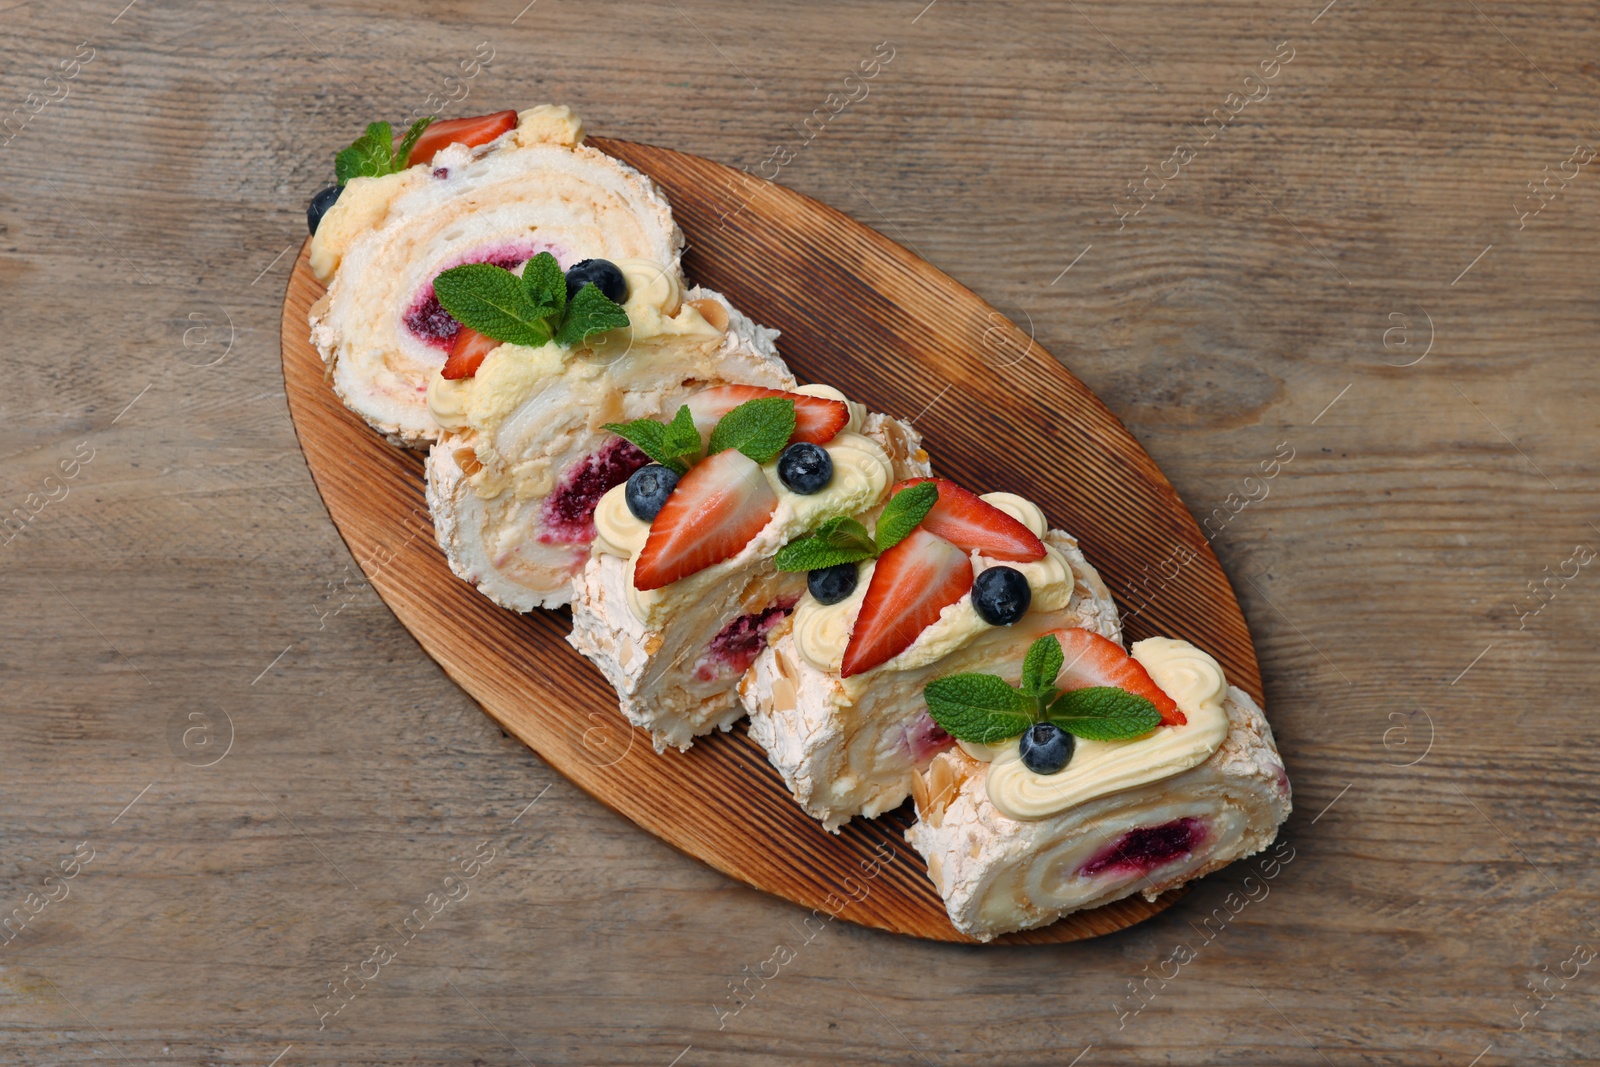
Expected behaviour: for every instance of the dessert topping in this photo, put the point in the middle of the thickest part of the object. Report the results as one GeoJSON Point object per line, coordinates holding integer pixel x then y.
{"type": "Point", "coordinates": [805, 468]}
{"type": "Point", "coordinates": [472, 132]}
{"type": "Point", "coordinates": [531, 310]}
{"type": "Point", "coordinates": [966, 519]}
{"type": "Point", "coordinates": [716, 509]}
{"type": "Point", "coordinates": [986, 709]}
{"type": "Point", "coordinates": [373, 154]}
{"type": "Point", "coordinates": [817, 418]}
{"type": "Point", "coordinates": [648, 489]}
{"type": "Point", "coordinates": [829, 585]}
{"type": "Point", "coordinates": [1000, 595]}
{"type": "Point", "coordinates": [913, 582]}
{"type": "Point", "coordinates": [603, 273]}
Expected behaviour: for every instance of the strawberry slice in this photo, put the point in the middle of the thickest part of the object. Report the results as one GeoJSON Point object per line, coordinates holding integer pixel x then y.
{"type": "Point", "coordinates": [913, 582]}
{"type": "Point", "coordinates": [816, 419]}
{"type": "Point", "coordinates": [716, 509]}
{"type": "Point", "coordinates": [964, 518]}
{"type": "Point", "coordinates": [472, 132]}
{"type": "Point", "coordinates": [467, 349]}
{"type": "Point", "coordinates": [1095, 660]}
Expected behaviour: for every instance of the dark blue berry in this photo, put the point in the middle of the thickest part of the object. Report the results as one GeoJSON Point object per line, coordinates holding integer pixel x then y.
{"type": "Point", "coordinates": [832, 584]}
{"type": "Point", "coordinates": [1045, 747]}
{"type": "Point", "coordinates": [1001, 596]}
{"type": "Point", "coordinates": [320, 205]}
{"type": "Point", "coordinates": [603, 273]}
{"type": "Point", "coordinates": [806, 468]}
{"type": "Point", "coordinates": [648, 489]}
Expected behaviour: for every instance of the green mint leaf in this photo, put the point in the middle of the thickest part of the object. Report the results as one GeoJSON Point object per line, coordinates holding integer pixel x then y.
{"type": "Point", "coordinates": [903, 511]}
{"type": "Point", "coordinates": [545, 285]}
{"type": "Point", "coordinates": [492, 301]}
{"type": "Point", "coordinates": [839, 540]}
{"type": "Point", "coordinates": [681, 440]}
{"type": "Point", "coordinates": [978, 707]}
{"type": "Point", "coordinates": [589, 312]}
{"type": "Point", "coordinates": [370, 156]}
{"type": "Point", "coordinates": [402, 155]}
{"type": "Point", "coordinates": [758, 428]}
{"type": "Point", "coordinates": [650, 437]}
{"type": "Point", "coordinates": [1040, 667]}
{"type": "Point", "coordinates": [1104, 713]}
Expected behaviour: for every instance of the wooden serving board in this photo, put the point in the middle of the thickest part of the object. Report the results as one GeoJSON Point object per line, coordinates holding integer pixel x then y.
{"type": "Point", "coordinates": [860, 312]}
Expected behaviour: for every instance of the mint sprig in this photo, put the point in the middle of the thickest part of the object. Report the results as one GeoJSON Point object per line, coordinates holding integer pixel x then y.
{"type": "Point", "coordinates": [531, 310]}
{"type": "Point", "coordinates": [373, 154]}
{"type": "Point", "coordinates": [759, 428]}
{"type": "Point", "coordinates": [844, 540]}
{"type": "Point", "coordinates": [985, 709]}
{"type": "Point", "coordinates": [674, 444]}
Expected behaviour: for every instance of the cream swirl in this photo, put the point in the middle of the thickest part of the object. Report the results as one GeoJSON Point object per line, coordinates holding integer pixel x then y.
{"type": "Point", "coordinates": [1100, 768]}
{"type": "Point", "coordinates": [821, 631]}
{"type": "Point", "coordinates": [1022, 509]}
{"type": "Point", "coordinates": [618, 532]}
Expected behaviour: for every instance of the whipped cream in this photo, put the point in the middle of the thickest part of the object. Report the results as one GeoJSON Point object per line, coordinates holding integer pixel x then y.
{"type": "Point", "coordinates": [862, 473]}
{"type": "Point", "coordinates": [821, 631]}
{"type": "Point", "coordinates": [1189, 676]}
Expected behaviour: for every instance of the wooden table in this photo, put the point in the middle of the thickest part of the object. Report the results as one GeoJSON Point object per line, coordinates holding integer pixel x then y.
{"type": "Point", "coordinates": [1257, 231]}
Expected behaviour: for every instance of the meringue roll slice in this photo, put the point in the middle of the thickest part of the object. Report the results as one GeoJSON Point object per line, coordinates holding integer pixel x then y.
{"type": "Point", "coordinates": [524, 455]}
{"type": "Point", "coordinates": [534, 188]}
{"type": "Point", "coordinates": [681, 589]}
{"type": "Point", "coordinates": [1017, 834]}
{"type": "Point", "coordinates": [836, 699]}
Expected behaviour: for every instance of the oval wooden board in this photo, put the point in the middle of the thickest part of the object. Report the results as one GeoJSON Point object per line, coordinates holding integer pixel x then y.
{"type": "Point", "coordinates": [860, 312]}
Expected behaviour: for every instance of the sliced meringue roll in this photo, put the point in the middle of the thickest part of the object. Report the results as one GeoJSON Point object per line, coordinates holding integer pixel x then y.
{"type": "Point", "coordinates": [380, 327]}
{"type": "Point", "coordinates": [673, 633]}
{"type": "Point", "coordinates": [849, 744]}
{"type": "Point", "coordinates": [524, 455]}
{"type": "Point", "coordinates": [1011, 849]}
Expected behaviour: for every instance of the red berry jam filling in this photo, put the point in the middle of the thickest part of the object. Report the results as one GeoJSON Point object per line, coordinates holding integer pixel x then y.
{"type": "Point", "coordinates": [567, 515]}
{"type": "Point", "coordinates": [925, 739]}
{"type": "Point", "coordinates": [428, 319]}
{"type": "Point", "coordinates": [1147, 848]}
{"type": "Point", "coordinates": [731, 652]}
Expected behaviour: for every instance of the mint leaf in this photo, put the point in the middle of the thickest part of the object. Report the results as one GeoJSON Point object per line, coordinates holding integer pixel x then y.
{"type": "Point", "coordinates": [545, 285]}
{"type": "Point", "coordinates": [492, 301]}
{"type": "Point", "coordinates": [978, 707]}
{"type": "Point", "coordinates": [370, 156]}
{"type": "Point", "coordinates": [839, 540]}
{"type": "Point", "coordinates": [652, 439]}
{"type": "Point", "coordinates": [1104, 713]}
{"type": "Point", "coordinates": [905, 509]}
{"type": "Point", "coordinates": [681, 440]}
{"type": "Point", "coordinates": [758, 428]}
{"type": "Point", "coordinates": [402, 155]}
{"type": "Point", "coordinates": [1040, 667]}
{"type": "Point", "coordinates": [590, 312]}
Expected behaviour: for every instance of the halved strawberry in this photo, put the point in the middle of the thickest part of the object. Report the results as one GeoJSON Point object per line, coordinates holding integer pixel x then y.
{"type": "Point", "coordinates": [816, 419]}
{"type": "Point", "coordinates": [913, 582]}
{"type": "Point", "coordinates": [467, 349]}
{"type": "Point", "coordinates": [715, 510]}
{"type": "Point", "coordinates": [1095, 660]}
{"type": "Point", "coordinates": [472, 132]}
{"type": "Point", "coordinates": [964, 518]}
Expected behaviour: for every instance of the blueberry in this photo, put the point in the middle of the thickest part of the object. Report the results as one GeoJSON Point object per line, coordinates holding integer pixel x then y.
{"type": "Point", "coordinates": [320, 205]}
{"type": "Point", "coordinates": [648, 489]}
{"type": "Point", "coordinates": [603, 273]}
{"type": "Point", "coordinates": [806, 468]}
{"type": "Point", "coordinates": [1045, 747]}
{"type": "Point", "coordinates": [1001, 596]}
{"type": "Point", "coordinates": [832, 584]}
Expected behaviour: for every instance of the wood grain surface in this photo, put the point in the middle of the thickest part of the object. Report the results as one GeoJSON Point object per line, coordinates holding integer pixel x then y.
{"type": "Point", "coordinates": [822, 278]}
{"type": "Point", "coordinates": [203, 690]}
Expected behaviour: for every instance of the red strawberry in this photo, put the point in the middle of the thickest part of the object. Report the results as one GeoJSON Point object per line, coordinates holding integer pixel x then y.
{"type": "Point", "coordinates": [467, 349]}
{"type": "Point", "coordinates": [715, 510]}
{"type": "Point", "coordinates": [1095, 660]}
{"type": "Point", "coordinates": [816, 419]}
{"type": "Point", "coordinates": [965, 519]}
{"type": "Point", "coordinates": [913, 582]}
{"type": "Point", "coordinates": [472, 132]}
